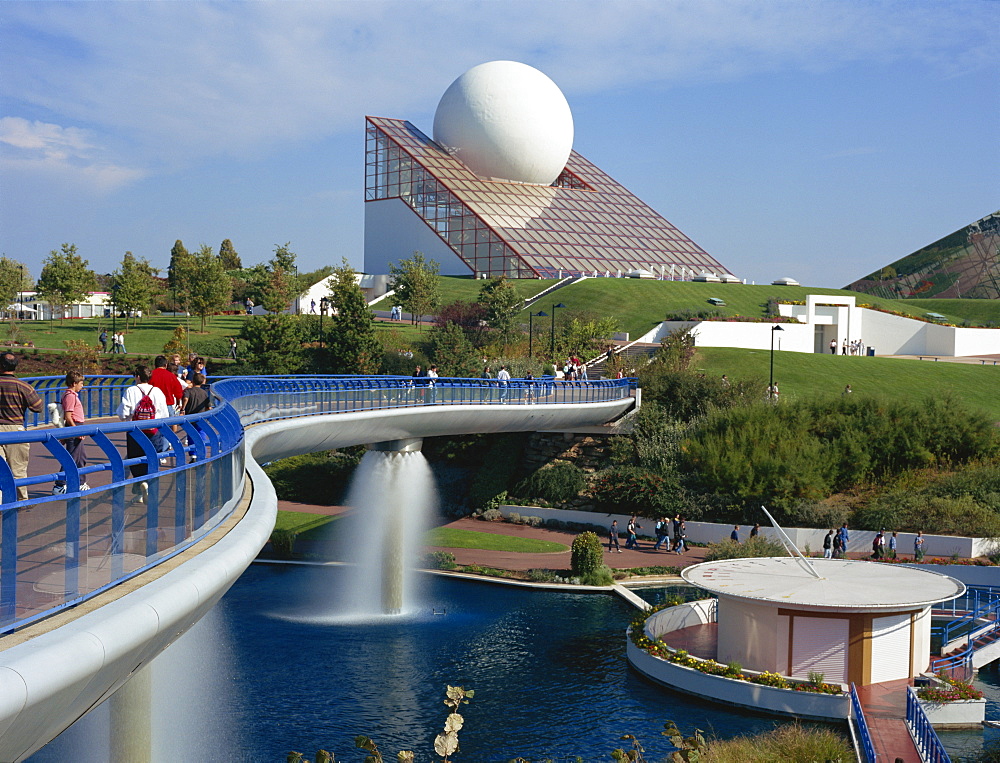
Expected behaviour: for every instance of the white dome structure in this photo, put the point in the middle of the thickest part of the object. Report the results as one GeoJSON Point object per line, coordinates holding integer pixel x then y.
{"type": "Point", "coordinates": [506, 121]}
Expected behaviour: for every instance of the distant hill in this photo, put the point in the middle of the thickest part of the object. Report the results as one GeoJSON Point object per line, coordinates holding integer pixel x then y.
{"type": "Point", "coordinates": [963, 265]}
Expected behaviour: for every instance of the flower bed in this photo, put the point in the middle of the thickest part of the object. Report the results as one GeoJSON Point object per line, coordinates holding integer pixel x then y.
{"type": "Point", "coordinates": [954, 690]}
{"type": "Point", "coordinates": [659, 648]}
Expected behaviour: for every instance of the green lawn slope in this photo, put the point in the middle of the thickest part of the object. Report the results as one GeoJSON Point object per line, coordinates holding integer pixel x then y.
{"type": "Point", "coordinates": [466, 289]}
{"type": "Point", "coordinates": [805, 375]}
{"type": "Point", "coordinates": [979, 312]}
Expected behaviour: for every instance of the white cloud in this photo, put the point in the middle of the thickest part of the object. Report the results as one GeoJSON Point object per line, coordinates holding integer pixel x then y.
{"type": "Point", "coordinates": [161, 85]}
{"type": "Point", "coordinates": [68, 153]}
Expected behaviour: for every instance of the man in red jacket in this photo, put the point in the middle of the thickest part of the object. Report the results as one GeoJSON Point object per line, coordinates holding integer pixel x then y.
{"type": "Point", "coordinates": [168, 383]}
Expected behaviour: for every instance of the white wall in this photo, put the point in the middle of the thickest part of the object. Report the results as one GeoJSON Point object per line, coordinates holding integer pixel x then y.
{"type": "Point", "coordinates": [393, 231]}
{"type": "Point", "coordinates": [751, 336]}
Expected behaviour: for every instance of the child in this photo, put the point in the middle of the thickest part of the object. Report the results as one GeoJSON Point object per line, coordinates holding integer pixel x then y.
{"type": "Point", "coordinates": [72, 417]}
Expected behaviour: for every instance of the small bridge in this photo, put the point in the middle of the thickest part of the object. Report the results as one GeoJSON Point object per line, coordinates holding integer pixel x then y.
{"type": "Point", "coordinates": [95, 583]}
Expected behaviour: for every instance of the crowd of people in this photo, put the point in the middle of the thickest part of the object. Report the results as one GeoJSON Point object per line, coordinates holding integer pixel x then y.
{"type": "Point", "coordinates": [169, 389]}
{"type": "Point", "coordinates": [853, 347]}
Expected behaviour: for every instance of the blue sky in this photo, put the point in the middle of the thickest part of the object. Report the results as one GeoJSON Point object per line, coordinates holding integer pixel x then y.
{"type": "Point", "coordinates": [806, 138]}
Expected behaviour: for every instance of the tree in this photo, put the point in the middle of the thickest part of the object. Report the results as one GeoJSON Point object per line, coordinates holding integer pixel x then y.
{"type": "Point", "coordinates": [180, 259]}
{"type": "Point", "coordinates": [272, 344]}
{"type": "Point", "coordinates": [502, 304]}
{"type": "Point", "coordinates": [453, 352]}
{"type": "Point", "coordinates": [416, 282]}
{"type": "Point", "coordinates": [228, 257]}
{"type": "Point", "coordinates": [585, 338]}
{"type": "Point", "coordinates": [66, 278]}
{"type": "Point", "coordinates": [208, 288]}
{"type": "Point", "coordinates": [469, 316]}
{"type": "Point", "coordinates": [134, 285]}
{"type": "Point", "coordinates": [14, 279]}
{"type": "Point", "coordinates": [281, 284]}
{"type": "Point", "coordinates": [353, 346]}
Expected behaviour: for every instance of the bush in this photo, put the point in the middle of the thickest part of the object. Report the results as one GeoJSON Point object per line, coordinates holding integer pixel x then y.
{"type": "Point", "coordinates": [211, 348]}
{"type": "Point", "coordinates": [440, 560]}
{"type": "Point", "coordinates": [602, 576]}
{"type": "Point", "coordinates": [630, 489]}
{"type": "Point", "coordinates": [296, 478]}
{"type": "Point", "coordinates": [755, 547]}
{"type": "Point", "coordinates": [558, 482]}
{"type": "Point", "coordinates": [283, 543]}
{"type": "Point", "coordinates": [787, 742]}
{"type": "Point", "coordinates": [587, 554]}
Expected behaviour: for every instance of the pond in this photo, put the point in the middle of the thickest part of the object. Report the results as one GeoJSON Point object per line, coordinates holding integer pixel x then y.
{"type": "Point", "coordinates": [270, 671]}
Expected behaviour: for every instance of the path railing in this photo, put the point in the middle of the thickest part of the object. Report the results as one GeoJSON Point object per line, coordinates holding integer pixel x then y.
{"type": "Point", "coordinates": [977, 615]}
{"type": "Point", "coordinates": [861, 725]}
{"type": "Point", "coordinates": [924, 737]}
{"type": "Point", "coordinates": [58, 550]}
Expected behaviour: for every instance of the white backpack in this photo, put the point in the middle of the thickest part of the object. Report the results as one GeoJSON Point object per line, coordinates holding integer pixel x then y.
{"type": "Point", "coordinates": [56, 415]}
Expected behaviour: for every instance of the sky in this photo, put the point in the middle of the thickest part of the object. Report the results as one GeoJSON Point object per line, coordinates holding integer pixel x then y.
{"type": "Point", "coordinates": [811, 139]}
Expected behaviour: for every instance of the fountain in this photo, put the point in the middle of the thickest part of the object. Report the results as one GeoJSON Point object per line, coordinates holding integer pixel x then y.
{"type": "Point", "coordinates": [393, 496]}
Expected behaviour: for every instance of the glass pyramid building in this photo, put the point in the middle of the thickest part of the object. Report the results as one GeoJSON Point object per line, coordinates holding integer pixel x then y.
{"type": "Point", "coordinates": [583, 224]}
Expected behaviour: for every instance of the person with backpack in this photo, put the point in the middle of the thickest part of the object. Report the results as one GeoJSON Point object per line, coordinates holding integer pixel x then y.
{"type": "Point", "coordinates": [72, 417]}
{"type": "Point", "coordinates": [142, 402]}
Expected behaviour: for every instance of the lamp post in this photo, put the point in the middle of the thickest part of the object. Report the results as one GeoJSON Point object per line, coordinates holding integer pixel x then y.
{"type": "Point", "coordinates": [531, 335]}
{"type": "Point", "coordinates": [770, 387]}
{"type": "Point", "coordinates": [114, 310]}
{"type": "Point", "coordinates": [324, 303]}
{"type": "Point", "coordinates": [20, 295]}
{"type": "Point", "coordinates": [552, 333]}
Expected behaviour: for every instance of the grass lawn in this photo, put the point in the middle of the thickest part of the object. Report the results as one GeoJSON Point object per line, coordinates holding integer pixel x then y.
{"type": "Point", "coordinates": [802, 375]}
{"type": "Point", "coordinates": [300, 521]}
{"type": "Point", "coordinates": [147, 337]}
{"type": "Point", "coordinates": [444, 537]}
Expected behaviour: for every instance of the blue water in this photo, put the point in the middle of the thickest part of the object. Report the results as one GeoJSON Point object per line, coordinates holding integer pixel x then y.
{"type": "Point", "coordinates": [548, 669]}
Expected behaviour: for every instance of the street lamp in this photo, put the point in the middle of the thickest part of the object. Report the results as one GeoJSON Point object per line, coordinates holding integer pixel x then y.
{"type": "Point", "coordinates": [552, 333]}
{"type": "Point", "coordinates": [324, 304]}
{"type": "Point", "coordinates": [770, 387]}
{"type": "Point", "coordinates": [531, 335]}
{"type": "Point", "coordinates": [114, 310]}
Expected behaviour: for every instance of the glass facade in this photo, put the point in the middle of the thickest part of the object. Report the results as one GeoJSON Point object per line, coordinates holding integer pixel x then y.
{"type": "Point", "coordinates": [584, 224]}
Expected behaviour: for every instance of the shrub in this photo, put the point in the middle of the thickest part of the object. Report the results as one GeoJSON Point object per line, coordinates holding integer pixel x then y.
{"type": "Point", "coordinates": [558, 482]}
{"type": "Point", "coordinates": [296, 478]}
{"type": "Point", "coordinates": [440, 560]}
{"type": "Point", "coordinates": [587, 554]}
{"type": "Point", "coordinates": [211, 348]}
{"type": "Point", "coordinates": [491, 515]}
{"type": "Point", "coordinates": [787, 742]}
{"type": "Point", "coordinates": [283, 543]}
{"type": "Point", "coordinates": [602, 576]}
{"type": "Point", "coordinates": [542, 576]}
{"type": "Point", "coordinates": [628, 489]}
{"type": "Point", "coordinates": [755, 547]}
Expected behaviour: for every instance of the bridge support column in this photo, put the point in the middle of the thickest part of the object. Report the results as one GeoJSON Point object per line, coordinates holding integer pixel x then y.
{"type": "Point", "coordinates": [393, 554]}
{"type": "Point", "coordinates": [131, 719]}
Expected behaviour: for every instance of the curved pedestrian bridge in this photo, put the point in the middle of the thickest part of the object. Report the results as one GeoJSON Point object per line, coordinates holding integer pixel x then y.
{"type": "Point", "coordinates": [95, 583]}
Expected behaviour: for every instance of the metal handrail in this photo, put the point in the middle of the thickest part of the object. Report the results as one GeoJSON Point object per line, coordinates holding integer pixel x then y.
{"type": "Point", "coordinates": [858, 714]}
{"type": "Point", "coordinates": [924, 737]}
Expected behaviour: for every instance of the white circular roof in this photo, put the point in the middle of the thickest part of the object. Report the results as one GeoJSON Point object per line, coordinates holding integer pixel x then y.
{"type": "Point", "coordinates": [843, 584]}
{"type": "Point", "coordinates": [506, 120]}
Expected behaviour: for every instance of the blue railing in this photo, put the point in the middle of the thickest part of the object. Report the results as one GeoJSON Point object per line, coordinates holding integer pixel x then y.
{"type": "Point", "coordinates": [980, 608]}
{"type": "Point", "coordinates": [864, 736]}
{"type": "Point", "coordinates": [924, 737]}
{"type": "Point", "coordinates": [58, 550]}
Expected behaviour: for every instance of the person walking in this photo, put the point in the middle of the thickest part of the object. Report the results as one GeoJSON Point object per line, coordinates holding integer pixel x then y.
{"type": "Point", "coordinates": [73, 416]}
{"type": "Point", "coordinates": [631, 529]}
{"type": "Point", "coordinates": [828, 545]}
{"type": "Point", "coordinates": [892, 545]}
{"type": "Point", "coordinates": [878, 545]}
{"type": "Point", "coordinates": [17, 397]}
{"type": "Point", "coordinates": [613, 536]}
{"type": "Point", "coordinates": [734, 536]}
{"type": "Point", "coordinates": [838, 546]}
{"type": "Point", "coordinates": [833, 346]}
{"type": "Point", "coordinates": [755, 531]}
{"type": "Point", "coordinates": [503, 377]}
{"type": "Point", "coordinates": [249, 306]}
{"type": "Point", "coordinates": [845, 538]}
{"type": "Point", "coordinates": [197, 400]}
{"type": "Point", "coordinates": [681, 538]}
{"type": "Point", "coordinates": [168, 383]}
{"type": "Point", "coordinates": [918, 546]}
{"type": "Point", "coordinates": [103, 339]}
{"type": "Point", "coordinates": [232, 348]}
{"type": "Point", "coordinates": [662, 535]}
{"type": "Point", "coordinates": [139, 402]}
{"type": "Point", "coordinates": [121, 343]}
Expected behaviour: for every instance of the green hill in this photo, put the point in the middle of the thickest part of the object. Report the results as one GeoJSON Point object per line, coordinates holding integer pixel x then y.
{"type": "Point", "coordinates": [808, 375]}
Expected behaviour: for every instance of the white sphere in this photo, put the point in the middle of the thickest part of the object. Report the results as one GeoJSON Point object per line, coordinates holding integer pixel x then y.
{"type": "Point", "coordinates": [506, 120]}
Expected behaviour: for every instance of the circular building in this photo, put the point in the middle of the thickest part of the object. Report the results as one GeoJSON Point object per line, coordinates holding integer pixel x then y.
{"type": "Point", "coordinates": [853, 621]}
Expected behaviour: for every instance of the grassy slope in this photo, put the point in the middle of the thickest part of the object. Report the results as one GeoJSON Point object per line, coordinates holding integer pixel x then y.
{"type": "Point", "coordinates": [808, 375]}
{"type": "Point", "coordinates": [445, 537]}
{"type": "Point", "coordinates": [976, 311]}
{"type": "Point", "coordinates": [640, 305]}
{"type": "Point", "coordinates": [454, 288]}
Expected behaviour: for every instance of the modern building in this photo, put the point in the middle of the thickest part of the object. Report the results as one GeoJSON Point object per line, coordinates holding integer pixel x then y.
{"type": "Point", "coordinates": [500, 192]}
